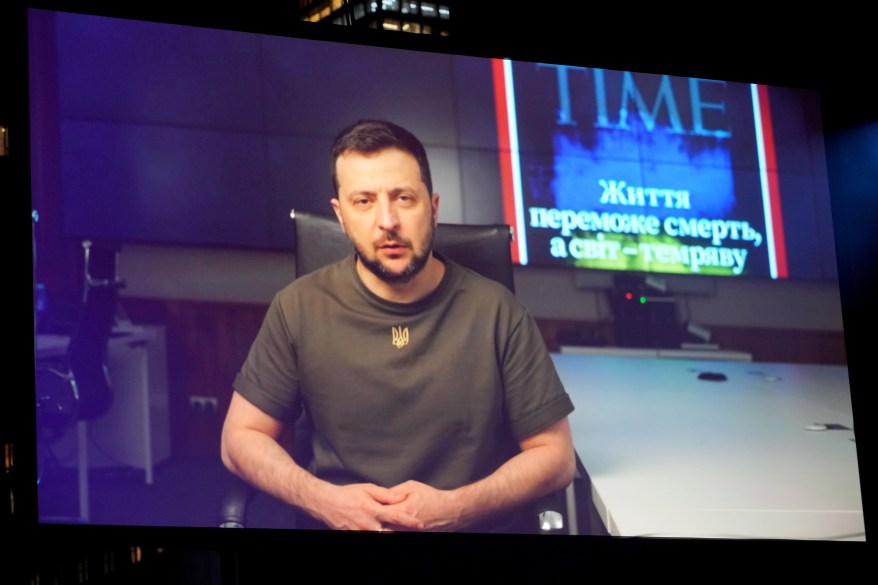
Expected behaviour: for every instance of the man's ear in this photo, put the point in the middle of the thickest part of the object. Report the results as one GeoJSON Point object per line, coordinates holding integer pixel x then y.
{"type": "Point", "coordinates": [336, 207]}
{"type": "Point", "coordinates": [435, 203]}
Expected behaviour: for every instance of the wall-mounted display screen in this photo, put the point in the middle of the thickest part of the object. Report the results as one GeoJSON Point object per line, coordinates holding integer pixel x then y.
{"type": "Point", "coordinates": [622, 170]}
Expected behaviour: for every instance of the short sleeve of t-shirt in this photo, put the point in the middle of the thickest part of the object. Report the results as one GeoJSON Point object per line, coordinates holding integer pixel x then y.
{"type": "Point", "coordinates": [269, 378]}
{"type": "Point", "coordinates": [535, 396]}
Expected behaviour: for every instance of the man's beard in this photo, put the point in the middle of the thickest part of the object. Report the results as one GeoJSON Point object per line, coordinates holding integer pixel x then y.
{"type": "Point", "coordinates": [417, 263]}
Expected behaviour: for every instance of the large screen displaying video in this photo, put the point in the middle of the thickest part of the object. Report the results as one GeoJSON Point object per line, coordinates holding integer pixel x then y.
{"type": "Point", "coordinates": [156, 133]}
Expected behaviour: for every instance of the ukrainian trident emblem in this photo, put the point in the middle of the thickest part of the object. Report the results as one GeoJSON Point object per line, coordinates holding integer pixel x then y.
{"type": "Point", "coordinates": [400, 336]}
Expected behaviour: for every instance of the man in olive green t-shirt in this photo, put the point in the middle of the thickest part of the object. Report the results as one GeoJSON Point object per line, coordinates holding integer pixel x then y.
{"type": "Point", "coordinates": [434, 401]}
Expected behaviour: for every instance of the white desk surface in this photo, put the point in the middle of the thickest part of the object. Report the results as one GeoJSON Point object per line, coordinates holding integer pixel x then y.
{"type": "Point", "coordinates": [671, 455]}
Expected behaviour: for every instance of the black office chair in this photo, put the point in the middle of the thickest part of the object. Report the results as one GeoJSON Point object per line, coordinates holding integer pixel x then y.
{"type": "Point", "coordinates": [319, 241]}
{"type": "Point", "coordinates": [75, 386]}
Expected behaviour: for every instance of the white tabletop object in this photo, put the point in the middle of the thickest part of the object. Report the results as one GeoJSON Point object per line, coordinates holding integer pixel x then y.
{"type": "Point", "coordinates": [670, 454]}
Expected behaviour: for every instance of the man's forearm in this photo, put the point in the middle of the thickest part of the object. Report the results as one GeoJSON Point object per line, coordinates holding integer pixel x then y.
{"type": "Point", "coordinates": [262, 461]}
{"type": "Point", "coordinates": [546, 463]}
{"type": "Point", "coordinates": [533, 473]}
{"type": "Point", "coordinates": [259, 459]}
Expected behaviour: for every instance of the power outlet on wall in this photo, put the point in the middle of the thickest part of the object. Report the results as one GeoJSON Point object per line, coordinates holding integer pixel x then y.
{"type": "Point", "coordinates": [207, 404]}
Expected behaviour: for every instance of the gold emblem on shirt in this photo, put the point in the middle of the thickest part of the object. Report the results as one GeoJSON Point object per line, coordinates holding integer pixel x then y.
{"type": "Point", "coordinates": [400, 336]}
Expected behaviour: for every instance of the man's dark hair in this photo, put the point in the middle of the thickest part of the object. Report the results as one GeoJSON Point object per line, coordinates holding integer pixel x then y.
{"type": "Point", "coordinates": [370, 136]}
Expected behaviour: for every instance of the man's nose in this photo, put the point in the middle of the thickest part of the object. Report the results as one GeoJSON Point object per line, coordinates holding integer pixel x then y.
{"type": "Point", "coordinates": [387, 216]}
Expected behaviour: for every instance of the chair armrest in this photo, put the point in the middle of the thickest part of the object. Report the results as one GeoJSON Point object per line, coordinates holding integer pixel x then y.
{"type": "Point", "coordinates": [550, 513]}
{"type": "Point", "coordinates": [233, 508]}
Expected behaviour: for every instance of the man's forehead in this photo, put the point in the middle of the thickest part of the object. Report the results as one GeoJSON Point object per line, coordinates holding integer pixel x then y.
{"type": "Point", "coordinates": [393, 164]}
{"type": "Point", "coordinates": [353, 153]}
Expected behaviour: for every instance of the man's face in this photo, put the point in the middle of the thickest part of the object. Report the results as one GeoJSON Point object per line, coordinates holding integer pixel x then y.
{"type": "Point", "coordinates": [386, 211]}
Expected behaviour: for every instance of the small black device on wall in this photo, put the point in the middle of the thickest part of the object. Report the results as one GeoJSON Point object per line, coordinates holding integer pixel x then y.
{"type": "Point", "coordinates": [644, 313]}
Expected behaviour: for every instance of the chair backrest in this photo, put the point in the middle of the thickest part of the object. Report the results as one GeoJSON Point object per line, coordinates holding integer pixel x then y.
{"type": "Point", "coordinates": [484, 248]}
{"type": "Point", "coordinates": [87, 350]}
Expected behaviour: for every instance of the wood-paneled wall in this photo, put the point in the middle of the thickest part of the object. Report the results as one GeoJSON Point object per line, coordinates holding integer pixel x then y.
{"type": "Point", "coordinates": [206, 344]}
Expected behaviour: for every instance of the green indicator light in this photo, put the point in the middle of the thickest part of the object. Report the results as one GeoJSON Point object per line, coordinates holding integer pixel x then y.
{"type": "Point", "coordinates": [642, 300]}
